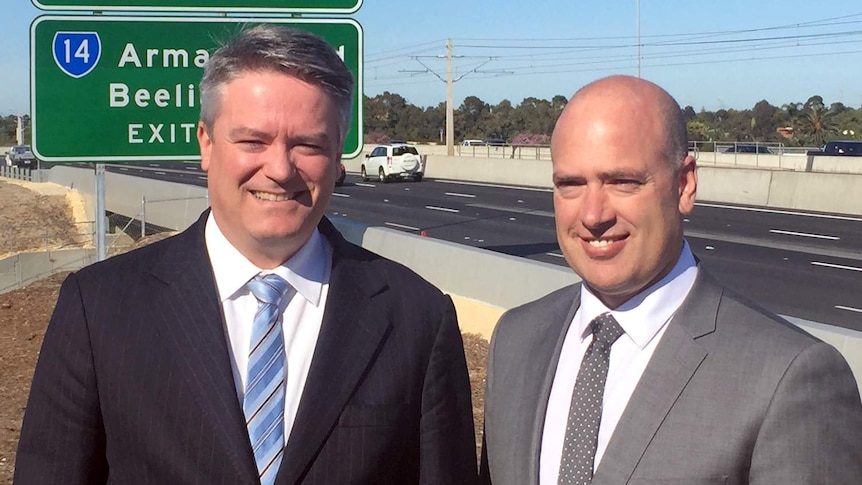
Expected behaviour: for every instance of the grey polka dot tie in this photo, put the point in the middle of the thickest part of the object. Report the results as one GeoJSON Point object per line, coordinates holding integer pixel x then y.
{"type": "Point", "coordinates": [582, 428]}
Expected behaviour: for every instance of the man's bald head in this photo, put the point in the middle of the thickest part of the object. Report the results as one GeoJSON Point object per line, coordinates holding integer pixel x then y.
{"type": "Point", "coordinates": [631, 94]}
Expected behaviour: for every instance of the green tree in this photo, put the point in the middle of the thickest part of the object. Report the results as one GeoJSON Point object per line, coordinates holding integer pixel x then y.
{"type": "Point", "coordinates": [763, 116]}
{"type": "Point", "coordinates": [815, 124]}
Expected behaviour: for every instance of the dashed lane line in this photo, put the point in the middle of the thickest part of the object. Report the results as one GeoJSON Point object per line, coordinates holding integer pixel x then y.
{"type": "Point", "coordinates": [804, 234]}
{"type": "Point", "coordinates": [442, 209]}
{"type": "Point", "coordinates": [836, 266]}
{"type": "Point", "coordinates": [401, 226]}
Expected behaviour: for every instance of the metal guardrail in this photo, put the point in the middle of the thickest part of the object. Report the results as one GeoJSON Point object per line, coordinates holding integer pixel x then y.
{"type": "Point", "coordinates": [749, 147]}
{"type": "Point", "coordinates": [518, 152]}
{"type": "Point", "coordinates": [18, 173]}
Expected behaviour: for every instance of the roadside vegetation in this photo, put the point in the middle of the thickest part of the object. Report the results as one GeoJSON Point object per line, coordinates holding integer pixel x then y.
{"type": "Point", "coordinates": [810, 123]}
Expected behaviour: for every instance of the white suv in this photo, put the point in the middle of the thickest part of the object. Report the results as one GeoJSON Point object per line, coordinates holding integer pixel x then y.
{"type": "Point", "coordinates": [393, 160]}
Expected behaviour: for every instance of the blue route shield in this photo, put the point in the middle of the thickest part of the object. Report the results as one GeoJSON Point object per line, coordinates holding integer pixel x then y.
{"type": "Point", "coordinates": [77, 53]}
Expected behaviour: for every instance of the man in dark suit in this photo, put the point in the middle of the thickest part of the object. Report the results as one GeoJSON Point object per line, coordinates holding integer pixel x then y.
{"type": "Point", "coordinates": [153, 363]}
{"type": "Point", "coordinates": [649, 371]}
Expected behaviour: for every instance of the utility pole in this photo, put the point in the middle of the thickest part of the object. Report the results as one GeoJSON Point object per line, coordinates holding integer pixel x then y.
{"type": "Point", "coordinates": [19, 132]}
{"type": "Point", "coordinates": [450, 101]}
{"type": "Point", "coordinates": [638, 9]}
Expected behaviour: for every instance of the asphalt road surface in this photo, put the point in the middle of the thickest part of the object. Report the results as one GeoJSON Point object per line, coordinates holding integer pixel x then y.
{"type": "Point", "coordinates": [794, 263]}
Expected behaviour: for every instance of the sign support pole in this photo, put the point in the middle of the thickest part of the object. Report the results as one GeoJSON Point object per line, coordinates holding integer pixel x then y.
{"type": "Point", "coordinates": [100, 212]}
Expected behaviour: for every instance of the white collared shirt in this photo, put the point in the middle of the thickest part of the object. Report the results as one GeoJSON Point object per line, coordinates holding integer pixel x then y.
{"type": "Point", "coordinates": [644, 319]}
{"type": "Point", "coordinates": [308, 273]}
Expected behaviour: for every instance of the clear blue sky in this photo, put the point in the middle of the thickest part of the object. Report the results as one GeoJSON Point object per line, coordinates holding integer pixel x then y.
{"type": "Point", "coordinates": [710, 54]}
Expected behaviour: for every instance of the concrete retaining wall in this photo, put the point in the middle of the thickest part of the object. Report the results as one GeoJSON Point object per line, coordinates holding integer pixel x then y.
{"type": "Point", "coordinates": [20, 270]}
{"type": "Point", "coordinates": [836, 164]}
{"type": "Point", "coordinates": [736, 186]}
{"type": "Point", "coordinates": [816, 191]}
{"type": "Point", "coordinates": [791, 161]}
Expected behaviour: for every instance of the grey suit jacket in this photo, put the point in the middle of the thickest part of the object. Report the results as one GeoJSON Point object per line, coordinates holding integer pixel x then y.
{"type": "Point", "coordinates": [732, 394]}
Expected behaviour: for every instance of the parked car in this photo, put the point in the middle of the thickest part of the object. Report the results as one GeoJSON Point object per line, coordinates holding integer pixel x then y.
{"type": "Point", "coordinates": [495, 142]}
{"type": "Point", "coordinates": [840, 148]}
{"type": "Point", "coordinates": [390, 161]}
{"type": "Point", "coordinates": [749, 148]}
{"type": "Point", "coordinates": [342, 173]}
{"type": "Point", "coordinates": [21, 156]}
{"type": "Point", "coordinates": [473, 143]}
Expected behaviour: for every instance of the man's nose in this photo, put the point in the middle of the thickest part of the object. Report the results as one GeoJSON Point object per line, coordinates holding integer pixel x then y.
{"type": "Point", "coordinates": [596, 209]}
{"type": "Point", "coordinates": [279, 164]}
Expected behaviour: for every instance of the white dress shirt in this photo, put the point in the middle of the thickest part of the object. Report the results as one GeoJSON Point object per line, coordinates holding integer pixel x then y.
{"type": "Point", "coordinates": [307, 272]}
{"type": "Point", "coordinates": [644, 319]}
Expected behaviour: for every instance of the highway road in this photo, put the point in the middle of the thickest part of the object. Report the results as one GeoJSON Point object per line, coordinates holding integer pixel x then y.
{"type": "Point", "coordinates": [794, 263]}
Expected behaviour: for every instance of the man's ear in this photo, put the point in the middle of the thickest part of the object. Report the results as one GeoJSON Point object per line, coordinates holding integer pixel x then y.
{"type": "Point", "coordinates": [206, 145]}
{"type": "Point", "coordinates": [687, 185]}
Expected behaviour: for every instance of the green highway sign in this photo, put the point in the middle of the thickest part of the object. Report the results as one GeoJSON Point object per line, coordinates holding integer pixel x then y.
{"type": "Point", "coordinates": [113, 89]}
{"type": "Point", "coordinates": [244, 6]}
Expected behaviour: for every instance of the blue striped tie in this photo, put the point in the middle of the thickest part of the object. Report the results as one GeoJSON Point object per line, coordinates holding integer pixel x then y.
{"type": "Point", "coordinates": [264, 389]}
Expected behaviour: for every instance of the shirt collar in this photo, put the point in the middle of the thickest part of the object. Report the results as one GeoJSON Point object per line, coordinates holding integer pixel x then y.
{"type": "Point", "coordinates": [643, 315]}
{"type": "Point", "coordinates": [306, 271]}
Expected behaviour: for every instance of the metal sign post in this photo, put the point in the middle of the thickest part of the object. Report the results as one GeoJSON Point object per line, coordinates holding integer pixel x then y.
{"type": "Point", "coordinates": [101, 216]}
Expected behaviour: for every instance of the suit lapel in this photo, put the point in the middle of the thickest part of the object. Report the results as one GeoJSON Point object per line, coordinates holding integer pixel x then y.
{"type": "Point", "coordinates": [351, 332]}
{"type": "Point", "coordinates": [546, 357]}
{"type": "Point", "coordinates": [675, 361]}
{"type": "Point", "coordinates": [190, 320]}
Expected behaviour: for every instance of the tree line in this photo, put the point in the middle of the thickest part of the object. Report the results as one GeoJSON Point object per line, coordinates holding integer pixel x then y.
{"type": "Point", "coordinates": [810, 123]}
{"type": "Point", "coordinates": [389, 116]}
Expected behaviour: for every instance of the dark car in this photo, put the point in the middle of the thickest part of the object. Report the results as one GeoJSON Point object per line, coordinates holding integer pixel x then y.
{"type": "Point", "coordinates": [841, 148]}
{"type": "Point", "coordinates": [342, 173]}
{"type": "Point", "coordinates": [749, 149]}
{"type": "Point", "coordinates": [495, 142]}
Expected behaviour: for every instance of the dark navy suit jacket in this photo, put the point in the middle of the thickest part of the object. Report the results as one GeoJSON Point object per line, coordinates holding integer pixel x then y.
{"type": "Point", "coordinates": [134, 383]}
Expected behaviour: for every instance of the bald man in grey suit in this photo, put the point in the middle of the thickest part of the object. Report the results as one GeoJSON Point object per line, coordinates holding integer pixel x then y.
{"type": "Point", "coordinates": [702, 386]}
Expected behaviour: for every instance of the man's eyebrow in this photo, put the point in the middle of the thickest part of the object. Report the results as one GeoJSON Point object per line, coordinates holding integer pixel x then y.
{"type": "Point", "coordinates": [624, 174]}
{"type": "Point", "coordinates": [244, 131]}
{"type": "Point", "coordinates": [314, 138]}
{"type": "Point", "coordinates": [559, 178]}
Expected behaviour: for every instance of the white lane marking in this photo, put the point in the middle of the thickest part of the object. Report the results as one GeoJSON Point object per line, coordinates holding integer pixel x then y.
{"type": "Point", "coordinates": [804, 234]}
{"type": "Point", "coordinates": [360, 184]}
{"type": "Point", "coordinates": [124, 169]}
{"type": "Point", "coordinates": [516, 210]}
{"type": "Point", "coordinates": [336, 194]}
{"type": "Point", "coordinates": [498, 186]}
{"type": "Point", "coordinates": [836, 266]}
{"type": "Point", "coordinates": [191, 168]}
{"type": "Point", "coordinates": [161, 173]}
{"type": "Point", "coordinates": [401, 226]}
{"type": "Point", "coordinates": [849, 308]}
{"type": "Point", "coordinates": [443, 209]}
{"type": "Point", "coordinates": [456, 194]}
{"type": "Point", "coordinates": [203, 177]}
{"type": "Point", "coordinates": [154, 165]}
{"type": "Point", "coordinates": [555, 255]}
{"type": "Point", "coordinates": [776, 211]}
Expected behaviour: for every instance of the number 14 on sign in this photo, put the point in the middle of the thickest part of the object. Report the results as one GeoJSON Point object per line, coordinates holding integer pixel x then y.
{"type": "Point", "coordinates": [77, 53]}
